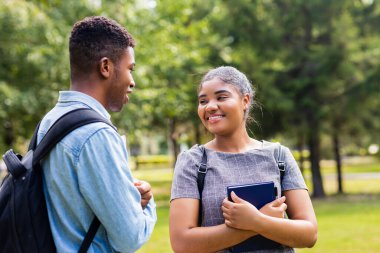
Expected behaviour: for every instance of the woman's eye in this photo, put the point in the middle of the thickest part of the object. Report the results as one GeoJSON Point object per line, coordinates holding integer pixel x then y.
{"type": "Point", "coordinates": [222, 97]}
{"type": "Point", "coordinates": [202, 102]}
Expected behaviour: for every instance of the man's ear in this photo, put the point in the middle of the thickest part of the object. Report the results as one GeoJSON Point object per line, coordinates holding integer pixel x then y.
{"type": "Point", "coordinates": [105, 67]}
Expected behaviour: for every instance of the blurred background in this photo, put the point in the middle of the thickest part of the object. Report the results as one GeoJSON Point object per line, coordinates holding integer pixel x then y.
{"type": "Point", "coordinates": [315, 66]}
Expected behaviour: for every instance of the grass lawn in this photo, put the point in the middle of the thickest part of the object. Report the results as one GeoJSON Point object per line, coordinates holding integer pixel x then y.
{"type": "Point", "coordinates": [348, 223]}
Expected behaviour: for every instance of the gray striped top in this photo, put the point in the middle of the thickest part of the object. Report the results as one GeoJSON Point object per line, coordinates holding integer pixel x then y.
{"type": "Point", "coordinates": [224, 169]}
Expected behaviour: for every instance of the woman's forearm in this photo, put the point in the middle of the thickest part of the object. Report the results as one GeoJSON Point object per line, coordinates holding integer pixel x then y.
{"type": "Point", "coordinates": [293, 233]}
{"type": "Point", "coordinates": [208, 239]}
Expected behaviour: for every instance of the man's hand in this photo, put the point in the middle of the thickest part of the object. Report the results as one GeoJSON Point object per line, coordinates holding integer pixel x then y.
{"type": "Point", "coordinates": [145, 190]}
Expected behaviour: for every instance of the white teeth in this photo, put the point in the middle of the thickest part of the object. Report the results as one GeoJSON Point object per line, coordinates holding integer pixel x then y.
{"type": "Point", "coordinates": [215, 117]}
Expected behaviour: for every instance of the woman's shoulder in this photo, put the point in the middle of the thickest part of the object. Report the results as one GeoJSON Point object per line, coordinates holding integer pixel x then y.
{"type": "Point", "coordinates": [273, 145]}
{"type": "Point", "coordinates": [270, 145]}
{"type": "Point", "coordinates": [275, 148]}
{"type": "Point", "coordinates": [190, 154]}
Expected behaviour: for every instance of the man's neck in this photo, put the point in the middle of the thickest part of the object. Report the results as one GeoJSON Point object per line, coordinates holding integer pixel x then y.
{"type": "Point", "coordinates": [90, 88]}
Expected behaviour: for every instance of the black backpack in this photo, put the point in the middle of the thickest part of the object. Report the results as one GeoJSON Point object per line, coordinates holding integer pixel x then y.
{"type": "Point", "coordinates": [24, 224]}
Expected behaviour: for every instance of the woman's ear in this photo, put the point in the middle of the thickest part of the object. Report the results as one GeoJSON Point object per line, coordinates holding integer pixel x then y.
{"type": "Point", "coordinates": [246, 101]}
{"type": "Point", "coordinates": [105, 67]}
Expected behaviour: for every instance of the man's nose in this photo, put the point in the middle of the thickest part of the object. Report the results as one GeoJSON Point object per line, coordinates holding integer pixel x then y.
{"type": "Point", "coordinates": [131, 85]}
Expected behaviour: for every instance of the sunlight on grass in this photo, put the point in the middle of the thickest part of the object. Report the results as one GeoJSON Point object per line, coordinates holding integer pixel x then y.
{"type": "Point", "coordinates": [149, 175]}
{"type": "Point", "coordinates": [347, 224]}
{"type": "Point", "coordinates": [159, 241]}
{"type": "Point", "coordinates": [352, 186]}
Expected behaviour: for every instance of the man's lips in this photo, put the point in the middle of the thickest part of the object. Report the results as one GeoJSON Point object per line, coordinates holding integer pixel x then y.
{"type": "Point", "coordinates": [126, 98]}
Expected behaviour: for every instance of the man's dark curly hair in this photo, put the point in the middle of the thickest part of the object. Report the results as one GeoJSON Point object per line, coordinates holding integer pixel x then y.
{"type": "Point", "coordinates": [94, 38]}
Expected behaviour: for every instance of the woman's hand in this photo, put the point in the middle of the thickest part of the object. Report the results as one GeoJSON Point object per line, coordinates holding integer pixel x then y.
{"type": "Point", "coordinates": [241, 214]}
{"type": "Point", "coordinates": [275, 208]}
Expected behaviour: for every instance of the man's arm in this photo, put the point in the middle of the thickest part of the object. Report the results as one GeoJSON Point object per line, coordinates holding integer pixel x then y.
{"type": "Point", "coordinates": [107, 186]}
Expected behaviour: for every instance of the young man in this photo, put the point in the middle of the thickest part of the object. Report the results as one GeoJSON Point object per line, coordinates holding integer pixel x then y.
{"type": "Point", "coordinates": [87, 174]}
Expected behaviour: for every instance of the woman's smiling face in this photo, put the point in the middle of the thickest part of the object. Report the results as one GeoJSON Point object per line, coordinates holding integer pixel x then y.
{"type": "Point", "coordinates": [221, 107]}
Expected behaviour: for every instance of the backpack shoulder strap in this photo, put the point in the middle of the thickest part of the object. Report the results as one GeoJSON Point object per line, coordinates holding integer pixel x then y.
{"type": "Point", "coordinates": [280, 159]}
{"type": "Point", "coordinates": [90, 235]}
{"type": "Point", "coordinates": [63, 126]}
{"type": "Point", "coordinates": [202, 170]}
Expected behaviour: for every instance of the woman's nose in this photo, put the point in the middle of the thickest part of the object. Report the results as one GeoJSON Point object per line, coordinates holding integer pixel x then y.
{"type": "Point", "coordinates": [212, 105]}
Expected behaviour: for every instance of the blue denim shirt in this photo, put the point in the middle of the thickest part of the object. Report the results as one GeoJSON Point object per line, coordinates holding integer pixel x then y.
{"type": "Point", "coordinates": [87, 174]}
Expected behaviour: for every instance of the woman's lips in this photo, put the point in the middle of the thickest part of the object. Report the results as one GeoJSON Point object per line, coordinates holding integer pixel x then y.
{"type": "Point", "coordinates": [214, 118]}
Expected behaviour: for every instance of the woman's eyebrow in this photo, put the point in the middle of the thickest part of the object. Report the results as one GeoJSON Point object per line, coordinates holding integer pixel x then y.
{"type": "Point", "coordinates": [216, 93]}
{"type": "Point", "coordinates": [222, 91]}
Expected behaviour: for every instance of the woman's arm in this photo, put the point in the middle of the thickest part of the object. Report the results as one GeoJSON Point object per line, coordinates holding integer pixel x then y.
{"type": "Point", "coordinates": [186, 236]}
{"type": "Point", "coordinates": [299, 231]}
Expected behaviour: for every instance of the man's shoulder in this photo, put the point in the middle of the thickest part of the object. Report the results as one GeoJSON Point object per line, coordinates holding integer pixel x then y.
{"type": "Point", "coordinates": [79, 136]}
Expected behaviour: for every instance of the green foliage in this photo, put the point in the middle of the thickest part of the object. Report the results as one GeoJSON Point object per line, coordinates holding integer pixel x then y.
{"type": "Point", "coordinates": [315, 65]}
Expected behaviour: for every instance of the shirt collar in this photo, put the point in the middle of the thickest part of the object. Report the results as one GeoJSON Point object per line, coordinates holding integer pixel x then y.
{"type": "Point", "coordinates": [76, 96]}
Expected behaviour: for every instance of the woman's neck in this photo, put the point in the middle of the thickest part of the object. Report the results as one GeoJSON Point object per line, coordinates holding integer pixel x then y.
{"type": "Point", "coordinates": [236, 143]}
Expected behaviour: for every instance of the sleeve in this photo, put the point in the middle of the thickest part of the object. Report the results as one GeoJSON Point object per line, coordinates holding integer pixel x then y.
{"type": "Point", "coordinates": [107, 186]}
{"type": "Point", "coordinates": [184, 183]}
{"type": "Point", "coordinates": [293, 178]}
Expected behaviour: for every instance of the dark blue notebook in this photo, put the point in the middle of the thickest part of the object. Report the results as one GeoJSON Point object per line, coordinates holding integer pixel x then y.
{"type": "Point", "coordinates": [259, 195]}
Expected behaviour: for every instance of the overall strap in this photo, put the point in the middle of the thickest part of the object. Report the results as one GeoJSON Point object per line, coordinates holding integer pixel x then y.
{"type": "Point", "coordinates": [202, 170]}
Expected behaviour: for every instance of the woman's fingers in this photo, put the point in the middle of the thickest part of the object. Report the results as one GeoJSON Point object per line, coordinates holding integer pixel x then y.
{"type": "Point", "coordinates": [283, 207]}
{"type": "Point", "coordinates": [279, 201]}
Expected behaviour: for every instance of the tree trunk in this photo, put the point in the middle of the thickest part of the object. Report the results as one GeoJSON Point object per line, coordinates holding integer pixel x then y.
{"type": "Point", "coordinates": [338, 161]}
{"type": "Point", "coordinates": [313, 140]}
{"type": "Point", "coordinates": [173, 140]}
{"type": "Point", "coordinates": [9, 137]}
{"type": "Point", "coordinates": [312, 120]}
{"type": "Point", "coordinates": [197, 133]}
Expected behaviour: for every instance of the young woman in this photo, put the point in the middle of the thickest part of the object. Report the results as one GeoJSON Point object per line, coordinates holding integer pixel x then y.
{"type": "Point", "coordinates": [225, 97]}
